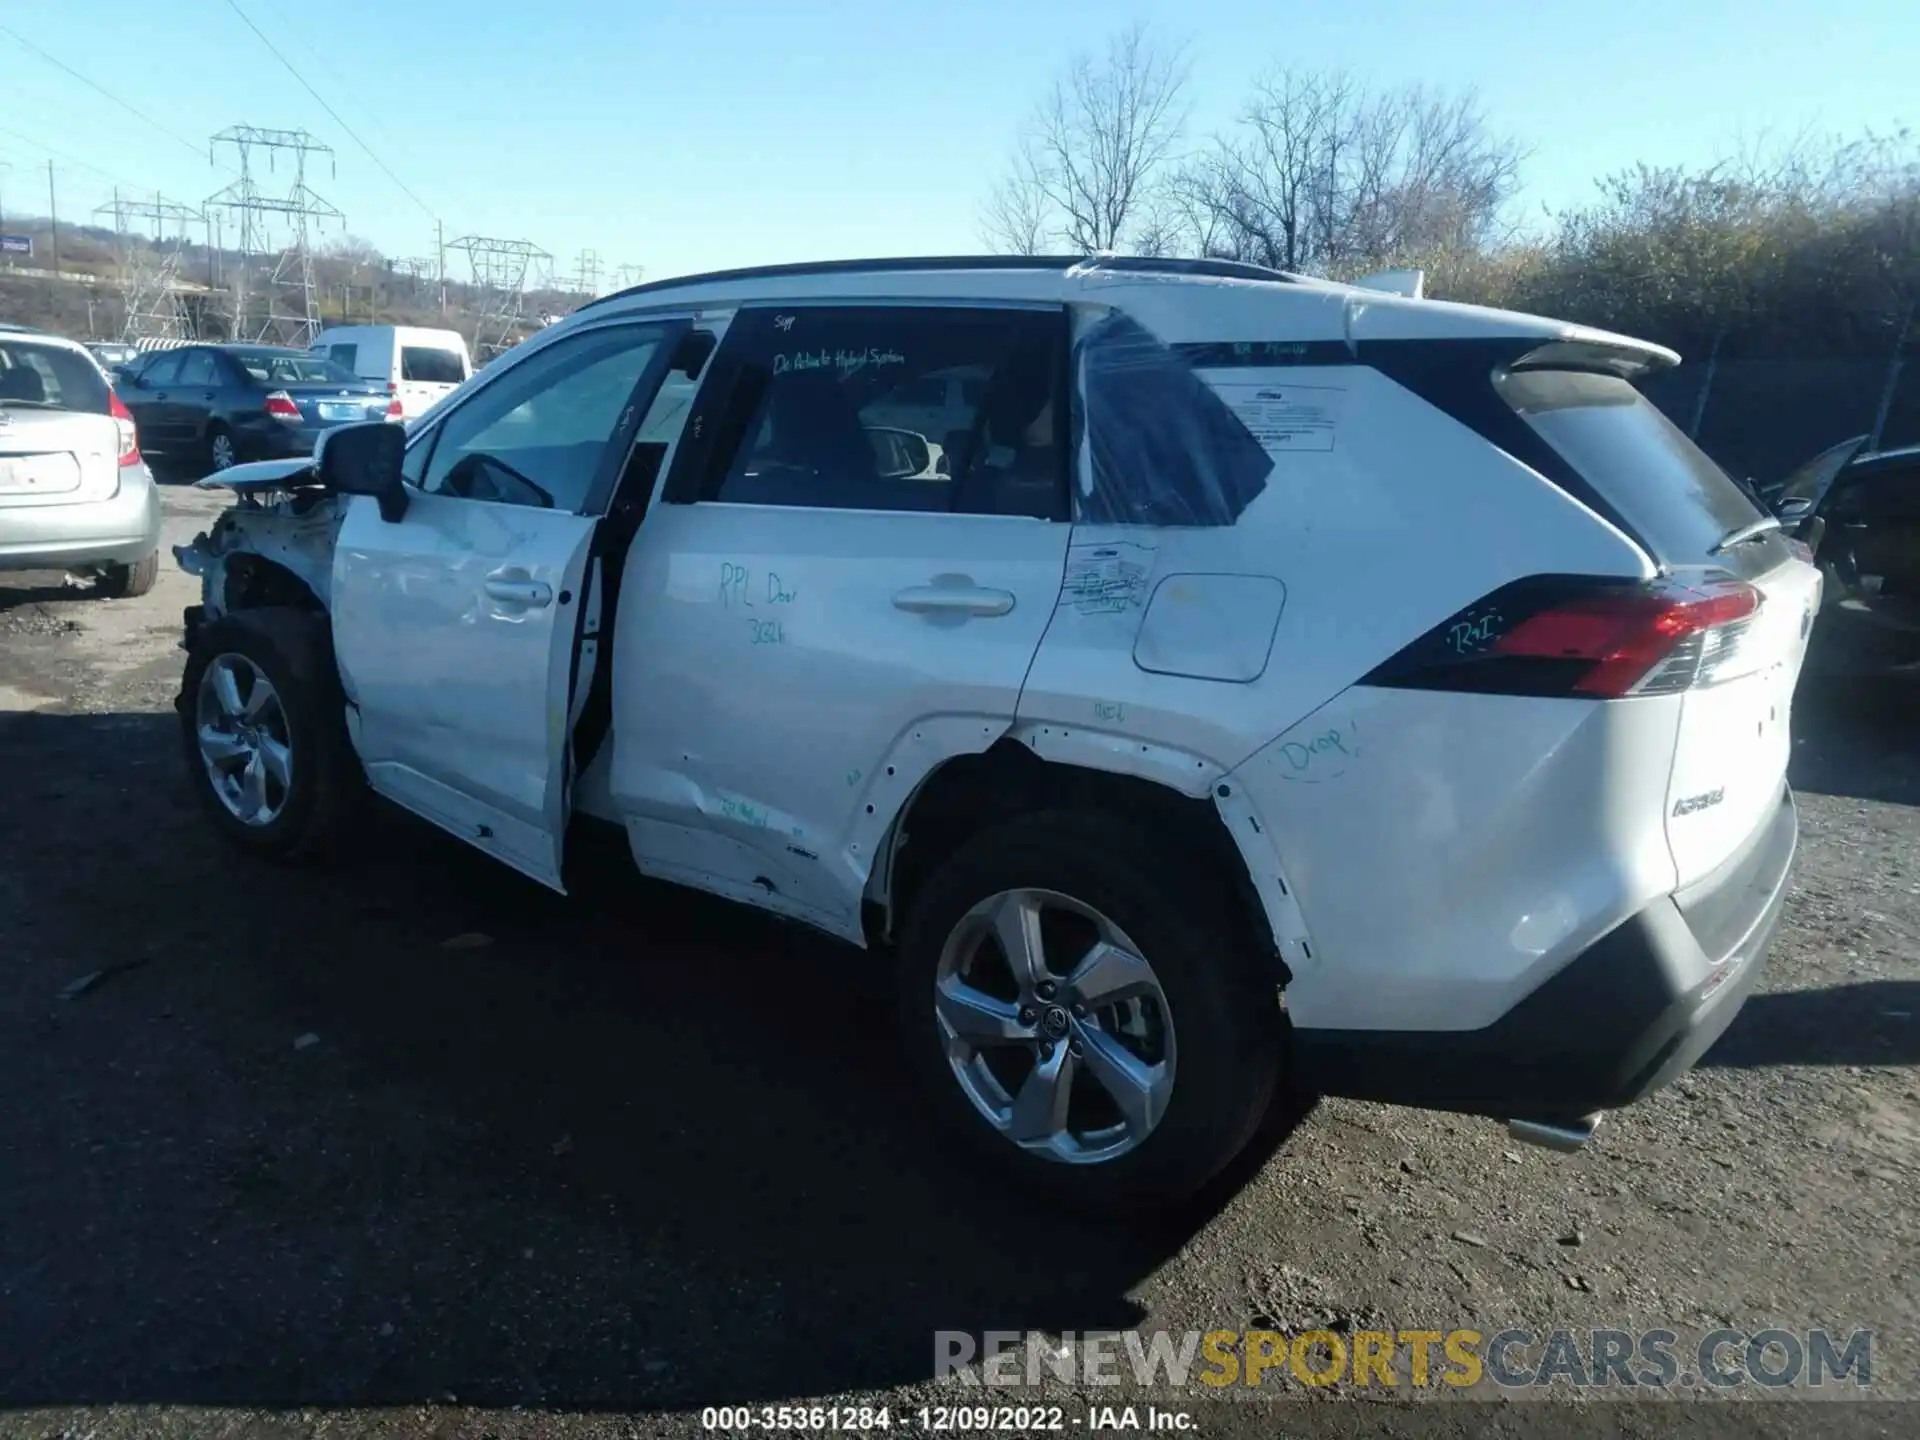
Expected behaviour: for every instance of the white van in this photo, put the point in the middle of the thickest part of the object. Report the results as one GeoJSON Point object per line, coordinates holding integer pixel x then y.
{"type": "Point", "coordinates": [418, 365]}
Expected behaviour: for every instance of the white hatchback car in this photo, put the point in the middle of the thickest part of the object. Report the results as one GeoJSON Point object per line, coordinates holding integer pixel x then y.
{"type": "Point", "coordinates": [1276, 675]}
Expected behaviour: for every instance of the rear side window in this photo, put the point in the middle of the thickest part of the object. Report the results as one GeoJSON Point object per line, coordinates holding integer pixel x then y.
{"type": "Point", "coordinates": [345, 356]}
{"type": "Point", "coordinates": [1162, 447]}
{"type": "Point", "coordinates": [197, 368]}
{"type": "Point", "coordinates": [50, 378]}
{"type": "Point", "coordinates": [830, 409]}
{"type": "Point", "coordinates": [430, 365]}
{"type": "Point", "coordinates": [1662, 484]}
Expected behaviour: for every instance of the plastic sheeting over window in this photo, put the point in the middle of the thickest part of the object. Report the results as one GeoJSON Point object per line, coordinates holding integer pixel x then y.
{"type": "Point", "coordinates": [1161, 448]}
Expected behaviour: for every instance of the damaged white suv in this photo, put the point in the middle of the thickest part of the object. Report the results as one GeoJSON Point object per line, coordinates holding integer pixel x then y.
{"type": "Point", "coordinates": [1261, 675]}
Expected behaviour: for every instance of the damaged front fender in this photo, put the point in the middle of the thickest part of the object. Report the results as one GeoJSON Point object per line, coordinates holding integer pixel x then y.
{"type": "Point", "coordinates": [273, 547]}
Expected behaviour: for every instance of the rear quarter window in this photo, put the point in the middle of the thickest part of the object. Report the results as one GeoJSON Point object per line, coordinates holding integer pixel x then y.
{"type": "Point", "coordinates": [1664, 486]}
{"type": "Point", "coordinates": [429, 365]}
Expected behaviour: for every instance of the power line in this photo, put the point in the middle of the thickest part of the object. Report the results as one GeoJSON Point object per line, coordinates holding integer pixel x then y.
{"type": "Point", "coordinates": [98, 89]}
{"type": "Point", "coordinates": [47, 149]}
{"type": "Point", "coordinates": [244, 20]}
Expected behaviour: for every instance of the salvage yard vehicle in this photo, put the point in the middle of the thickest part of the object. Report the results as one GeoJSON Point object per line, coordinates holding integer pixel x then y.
{"type": "Point", "coordinates": [219, 405]}
{"type": "Point", "coordinates": [1859, 512]}
{"type": "Point", "coordinates": [419, 367]}
{"type": "Point", "coordinates": [75, 493]}
{"type": "Point", "coordinates": [1278, 678]}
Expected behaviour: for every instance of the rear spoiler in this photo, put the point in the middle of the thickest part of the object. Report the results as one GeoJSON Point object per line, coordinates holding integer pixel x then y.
{"type": "Point", "coordinates": [1410, 283]}
{"type": "Point", "coordinates": [1581, 349]}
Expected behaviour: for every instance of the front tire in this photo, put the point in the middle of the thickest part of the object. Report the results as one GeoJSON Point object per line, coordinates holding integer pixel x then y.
{"type": "Point", "coordinates": [1080, 1010]}
{"type": "Point", "coordinates": [263, 727]}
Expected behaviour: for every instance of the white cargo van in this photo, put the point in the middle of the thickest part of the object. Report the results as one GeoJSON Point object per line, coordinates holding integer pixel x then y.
{"type": "Point", "coordinates": [419, 366]}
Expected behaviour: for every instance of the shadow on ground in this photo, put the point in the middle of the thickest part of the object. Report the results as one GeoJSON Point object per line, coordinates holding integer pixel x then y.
{"type": "Point", "coordinates": [1876, 1022]}
{"type": "Point", "coordinates": [631, 1150]}
{"type": "Point", "coordinates": [1858, 737]}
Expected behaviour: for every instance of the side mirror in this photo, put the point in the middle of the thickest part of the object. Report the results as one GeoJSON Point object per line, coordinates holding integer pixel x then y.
{"type": "Point", "coordinates": [365, 460]}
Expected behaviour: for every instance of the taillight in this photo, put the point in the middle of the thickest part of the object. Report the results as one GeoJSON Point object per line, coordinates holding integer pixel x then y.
{"type": "Point", "coordinates": [1592, 639]}
{"type": "Point", "coordinates": [280, 405]}
{"type": "Point", "coordinates": [123, 421]}
{"type": "Point", "coordinates": [393, 410]}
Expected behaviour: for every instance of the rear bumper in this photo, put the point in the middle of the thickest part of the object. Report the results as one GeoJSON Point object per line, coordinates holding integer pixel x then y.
{"type": "Point", "coordinates": [1625, 1017]}
{"type": "Point", "coordinates": [117, 531]}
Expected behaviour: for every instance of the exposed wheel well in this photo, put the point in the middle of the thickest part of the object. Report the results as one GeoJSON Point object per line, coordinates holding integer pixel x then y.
{"type": "Point", "coordinates": [970, 793]}
{"type": "Point", "coordinates": [254, 582]}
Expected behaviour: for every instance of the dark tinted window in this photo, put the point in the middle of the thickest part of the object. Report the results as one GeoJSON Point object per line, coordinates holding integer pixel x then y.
{"type": "Point", "coordinates": [161, 369]}
{"type": "Point", "coordinates": [1661, 483]}
{"type": "Point", "coordinates": [821, 409]}
{"type": "Point", "coordinates": [289, 367]}
{"type": "Point", "coordinates": [197, 368]}
{"type": "Point", "coordinates": [430, 366]}
{"type": "Point", "coordinates": [50, 376]}
{"type": "Point", "coordinates": [345, 356]}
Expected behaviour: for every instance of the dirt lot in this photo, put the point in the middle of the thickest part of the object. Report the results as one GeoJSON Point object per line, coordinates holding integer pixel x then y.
{"type": "Point", "coordinates": [581, 1167]}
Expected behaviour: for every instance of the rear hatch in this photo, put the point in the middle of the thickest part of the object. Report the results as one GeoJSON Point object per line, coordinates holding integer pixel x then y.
{"type": "Point", "coordinates": [59, 443]}
{"type": "Point", "coordinates": [1735, 678]}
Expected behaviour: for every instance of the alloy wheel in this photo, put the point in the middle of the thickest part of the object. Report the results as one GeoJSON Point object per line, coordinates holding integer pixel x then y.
{"type": "Point", "coordinates": [1055, 1026]}
{"type": "Point", "coordinates": [245, 745]}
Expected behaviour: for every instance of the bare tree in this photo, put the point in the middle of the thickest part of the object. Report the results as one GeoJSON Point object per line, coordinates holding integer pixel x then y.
{"type": "Point", "coordinates": [1322, 174]}
{"type": "Point", "coordinates": [1089, 158]}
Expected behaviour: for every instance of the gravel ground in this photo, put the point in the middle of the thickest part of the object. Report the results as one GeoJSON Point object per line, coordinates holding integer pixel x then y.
{"type": "Point", "coordinates": [414, 1147]}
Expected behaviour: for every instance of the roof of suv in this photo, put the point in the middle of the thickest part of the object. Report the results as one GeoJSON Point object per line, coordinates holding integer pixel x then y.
{"type": "Point", "coordinates": [1031, 264]}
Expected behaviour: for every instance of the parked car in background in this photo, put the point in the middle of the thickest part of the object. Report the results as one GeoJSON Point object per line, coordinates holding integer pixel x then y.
{"type": "Point", "coordinates": [74, 491]}
{"type": "Point", "coordinates": [417, 365]}
{"type": "Point", "coordinates": [112, 354]}
{"type": "Point", "coordinates": [1859, 512]}
{"type": "Point", "coordinates": [217, 405]}
{"type": "Point", "coordinates": [1278, 674]}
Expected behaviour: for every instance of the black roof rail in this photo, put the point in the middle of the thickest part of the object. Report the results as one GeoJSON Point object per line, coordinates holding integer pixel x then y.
{"type": "Point", "coordinates": [1126, 264]}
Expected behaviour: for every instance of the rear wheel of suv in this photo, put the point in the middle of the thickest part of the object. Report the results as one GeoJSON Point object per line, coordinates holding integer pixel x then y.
{"type": "Point", "coordinates": [263, 725]}
{"type": "Point", "coordinates": [1078, 1013]}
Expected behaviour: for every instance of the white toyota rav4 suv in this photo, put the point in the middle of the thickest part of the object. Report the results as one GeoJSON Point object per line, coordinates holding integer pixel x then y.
{"type": "Point", "coordinates": [1269, 676]}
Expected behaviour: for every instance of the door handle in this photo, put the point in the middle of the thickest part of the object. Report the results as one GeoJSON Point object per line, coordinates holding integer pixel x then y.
{"type": "Point", "coordinates": [516, 587]}
{"type": "Point", "coordinates": [952, 600]}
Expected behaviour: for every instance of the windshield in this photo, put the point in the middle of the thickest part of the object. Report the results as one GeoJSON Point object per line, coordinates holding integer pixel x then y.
{"type": "Point", "coordinates": [1663, 485]}
{"type": "Point", "coordinates": [291, 367]}
{"type": "Point", "coordinates": [50, 377]}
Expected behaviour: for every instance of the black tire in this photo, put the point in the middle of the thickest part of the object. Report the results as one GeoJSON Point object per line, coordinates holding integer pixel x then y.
{"type": "Point", "coordinates": [123, 582]}
{"type": "Point", "coordinates": [214, 432]}
{"type": "Point", "coordinates": [294, 650]}
{"type": "Point", "coordinates": [1221, 992]}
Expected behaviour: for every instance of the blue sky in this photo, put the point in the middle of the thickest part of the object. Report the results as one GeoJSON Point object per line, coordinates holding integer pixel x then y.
{"type": "Point", "coordinates": [681, 135]}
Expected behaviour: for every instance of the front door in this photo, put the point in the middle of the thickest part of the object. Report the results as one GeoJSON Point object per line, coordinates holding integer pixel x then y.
{"type": "Point", "coordinates": [456, 626]}
{"type": "Point", "coordinates": [819, 612]}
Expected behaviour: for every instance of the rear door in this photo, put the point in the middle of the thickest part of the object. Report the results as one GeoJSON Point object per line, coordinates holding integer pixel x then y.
{"type": "Point", "coordinates": [428, 372]}
{"type": "Point", "coordinates": [456, 627]}
{"type": "Point", "coordinates": [146, 394]}
{"type": "Point", "coordinates": [193, 397]}
{"type": "Point", "coordinates": [806, 628]}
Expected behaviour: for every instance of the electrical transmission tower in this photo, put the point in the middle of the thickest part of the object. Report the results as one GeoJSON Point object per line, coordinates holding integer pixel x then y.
{"type": "Point", "coordinates": [586, 280]}
{"type": "Point", "coordinates": [501, 270]}
{"type": "Point", "coordinates": [150, 269]}
{"type": "Point", "coordinates": [273, 290]}
{"type": "Point", "coordinates": [626, 276]}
